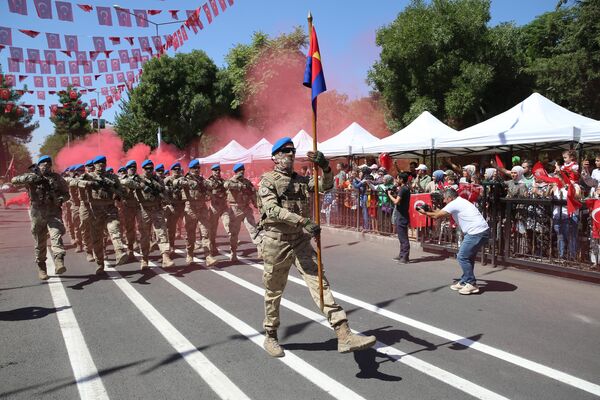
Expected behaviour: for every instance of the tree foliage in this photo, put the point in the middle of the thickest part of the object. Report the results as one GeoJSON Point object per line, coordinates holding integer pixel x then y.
{"type": "Point", "coordinates": [70, 119]}
{"type": "Point", "coordinates": [181, 94]}
{"type": "Point", "coordinates": [22, 157]}
{"type": "Point", "coordinates": [53, 144]}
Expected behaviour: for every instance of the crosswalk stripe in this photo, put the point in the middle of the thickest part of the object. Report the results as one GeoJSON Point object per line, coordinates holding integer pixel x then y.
{"type": "Point", "coordinates": [89, 383]}
{"type": "Point", "coordinates": [541, 369]}
{"type": "Point", "coordinates": [216, 379]}
{"type": "Point", "coordinates": [320, 379]}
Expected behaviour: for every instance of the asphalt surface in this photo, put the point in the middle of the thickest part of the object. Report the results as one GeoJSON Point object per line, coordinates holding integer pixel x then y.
{"type": "Point", "coordinates": [191, 333]}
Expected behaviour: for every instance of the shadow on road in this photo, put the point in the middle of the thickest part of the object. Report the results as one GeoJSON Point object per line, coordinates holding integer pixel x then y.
{"type": "Point", "coordinates": [26, 313]}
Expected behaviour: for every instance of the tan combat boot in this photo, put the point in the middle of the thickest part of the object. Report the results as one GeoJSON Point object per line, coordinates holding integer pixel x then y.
{"type": "Point", "coordinates": [90, 257]}
{"type": "Point", "coordinates": [348, 341]}
{"type": "Point", "coordinates": [233, 255]}
{"type": "Point", "coordinates": [59, 265]}
{"type": "Point", "coordinates": [166, 260]}
{"type": "Point", "coordinates": [100, 268]}
{"type": "Point", "coordinates": [121, 257]}
{"type": "Point", "coordinates": [42, 274]}
{"type": "Point", "coordinates": [210, 261]}
{"type": "Point", "coordinates": [271, 344]}
{"type": "Point", "coordinates": [144, 264]}
{"type": "Point", "coordinates": [189, 258]}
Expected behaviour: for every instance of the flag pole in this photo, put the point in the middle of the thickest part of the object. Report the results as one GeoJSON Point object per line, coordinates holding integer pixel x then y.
{"type": "Point", "coordinates": [316, 205]}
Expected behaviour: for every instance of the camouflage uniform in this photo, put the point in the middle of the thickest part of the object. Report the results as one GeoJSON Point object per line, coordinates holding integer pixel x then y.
{"type": "Point", "coordinates": [240, 196]}
{"type": "Point", "coordinates": [85, 219]}
{"type": "Point", "coordinates": [104, 189]}
{"type": "Point", "coordinates": [195, 193]}
{"type": "Point", "coordinates": [74, 212]}
{"type": "Point", "coordinates": [131, 213]}
{"type": "Point", "coordinates": [47, 194]}
{"type": "Point", "coordinates": [218, 207]}
{"type": "Point", "coordinates": [174, 211]}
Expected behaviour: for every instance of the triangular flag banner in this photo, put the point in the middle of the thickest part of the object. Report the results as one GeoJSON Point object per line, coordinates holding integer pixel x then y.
{"type": "Point", "coordinates": [85, 7]}
{"type": "Point", "coordinates": [29, 32]}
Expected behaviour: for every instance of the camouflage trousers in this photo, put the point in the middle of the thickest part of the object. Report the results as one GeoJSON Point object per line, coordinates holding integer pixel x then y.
{"type": "Point", "coordinates": [194, 216]}
{"type": "Point", "coordinates": [232, 221]}
{"type": "Point", "coordinates": [152, 216]}
{"type": "Point", "coordinates": [129, 216]}
{"type": "Point", "coordinates": [85, 226]}
{"type": "Point", "coordinates": [105, 216]}
{"type": "Point", "coordinates": [215, 212]}
{"type": "Point", "coordinates": [44, 222]}
{"type": "Point", "coordinates": [279, 255]}
{"type": "Point", "coordinates": [68, 219]}
{"type": "Point", "coordinates": [173, 217]}
{"type": "Point", "coordinates": [74, 211]}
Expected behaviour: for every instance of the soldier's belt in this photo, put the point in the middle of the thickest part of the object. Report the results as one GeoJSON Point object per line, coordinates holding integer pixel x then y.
{"type": "Point", "coordinates": [283, 236]}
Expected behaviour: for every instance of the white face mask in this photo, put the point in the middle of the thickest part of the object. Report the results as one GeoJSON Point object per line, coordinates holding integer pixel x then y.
{"type": "Point", "coordinates": [239, 174]}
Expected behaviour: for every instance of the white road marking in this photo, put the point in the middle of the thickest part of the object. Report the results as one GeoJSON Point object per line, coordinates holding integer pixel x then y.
{"type": "Point", "coordinates": [89, 383]}
{"type": "Point", "coordinates": [323, 381]}
{"type": "Point", "coordinates": [217, 380]}
{"type": "Point", "coordinates": [541, 369]}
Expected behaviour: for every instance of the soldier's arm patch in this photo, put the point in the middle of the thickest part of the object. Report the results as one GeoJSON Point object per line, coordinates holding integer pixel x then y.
{"type": "Point", "coordinates": [264, 191]}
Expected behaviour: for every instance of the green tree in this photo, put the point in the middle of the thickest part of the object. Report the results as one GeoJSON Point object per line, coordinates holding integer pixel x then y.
{"type": "Point", "coordinates": [70, 119]}
{"type": "Point", "coordinates": [22, 157]}
{"type": "Point", "coordinates": [441, 56]}
{"type": "Point", "coordinates": [53, 144]}
{"type": "Point", "coordinates": [181, 94]}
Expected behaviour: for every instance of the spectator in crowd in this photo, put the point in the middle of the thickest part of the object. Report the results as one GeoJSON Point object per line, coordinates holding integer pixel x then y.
{"type": "Point", "coordinates": [340, 177]}
{"type": "Point", "coordinates": [451, 180]}
{"type": "Point", "coordinates": [437, 183]}
{"type": "Point", "coordinates": [476, 234]}
{"type": "Point", "coordinates": [467, 172]}
{"type": "Point", "coordinates": [564, 224]}
{"type": "Point", "coordinates": [528, 179]}
{"type": "Point", "coordinates": [412, 171]}
{"type": "Point", "coordinates": [401, 201]}
{"type": "Point", "coordinates": [570, 166]}
{"type": "Point", "coordinates": [420, 182]}
{"type": "Point", "coordinates": [515, 187]}
{"type": "Point", "coordinates": [359, 183]}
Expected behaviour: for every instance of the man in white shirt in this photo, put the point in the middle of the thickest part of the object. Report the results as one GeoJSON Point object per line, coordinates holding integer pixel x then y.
{"type": "Point", "coordinates": [477, 233]}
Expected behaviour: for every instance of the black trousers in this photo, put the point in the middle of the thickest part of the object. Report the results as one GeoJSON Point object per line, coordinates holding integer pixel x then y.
{"type": "Point", "coordinates": [402, 229]}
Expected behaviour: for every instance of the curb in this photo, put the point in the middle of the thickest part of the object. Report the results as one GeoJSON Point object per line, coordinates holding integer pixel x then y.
{"type": "Point", "coordinates": [369, 237]}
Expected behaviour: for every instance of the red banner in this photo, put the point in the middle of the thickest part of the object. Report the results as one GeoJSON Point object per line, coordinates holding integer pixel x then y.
{"type": "Point", "coordinates": [124, 17]}
{"type": "Point", "coordinates": [17, 6]}
{"type": "Point", "coordinates": [418, 199]}
{"type": "Point", "coordinates": [43, 8]}
{"type": "Point", "coordinates": [64, 10]}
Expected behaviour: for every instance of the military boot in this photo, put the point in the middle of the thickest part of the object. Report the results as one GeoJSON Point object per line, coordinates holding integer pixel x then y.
{"type": "Point", "coordinates": [233, 255]}
{"type": "Point", "coordinates": [211, 261]}
{"type": "Point", "coordinates": [166, 260]}
{"type": "Point", "coordinates": [90, 257]}
{"type": "Point", "coordinates": [59, 264]}
{"type": "Point", "coordinates": [100, 268]}
{"type": "Point", "coordinates": [121, 257]}
{"type": "Point", "coordinates": [348, 341]}
{"type": "Point", "coordinates": [271, 344]}
{"type": "Point", "coordinates": [42, 274]}
{"type": "Point", "coordinates": [189, 258]}
{"type": "Point", "coordinates": [78, 247]}
{"type": "Point", "coordinates": [130, 256]}
{"type": "Point", "coordinates": [144, 264]}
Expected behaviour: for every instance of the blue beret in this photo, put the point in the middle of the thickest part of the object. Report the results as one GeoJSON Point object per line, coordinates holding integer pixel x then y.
{"type": "Point", "coordinates": [215, 167]}
{"type": "Point", "coordinates": [43, 159]}
{"type": "Point", "coordinates": [280, 143]}
{"type": "Point", "coordinates": [88, 163]}
{"type": "Point", "coordinates": [238, 167]}
{"type": "Point", "coordinates": [70, 168]}
{"type": "Point", "coordinates": [78, 167]}
{"type": "Point", "coordinates": [193, 164]}
{"type": "Point", "coordinates": [99, 159]}
{"type": "Point", "coordinates": [175, 165]}
{"type": "Point", "coordinates": [159, 166]}
{"type": "Point", "coordinates": [145, 163]}
{"type": "Point", "coordinates": [131, 163]}
{"type": "Point", "coordinates": [109, 169]}
{"type": "Point", "coordinates": [121, 169]}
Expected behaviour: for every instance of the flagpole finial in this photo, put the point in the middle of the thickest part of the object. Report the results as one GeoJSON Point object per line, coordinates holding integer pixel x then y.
{"type": "Point", "coordinates": [310, 17]}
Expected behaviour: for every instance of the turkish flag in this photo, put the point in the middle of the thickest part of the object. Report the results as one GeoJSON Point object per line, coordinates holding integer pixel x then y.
{"type": "Point", "coordinates": [141, 18]}
{"type": "Point", "coordinates": [94, 55]}
{"type": "Point", "coordinates": [60, 68]}
{"type": "Point", "coordinates": [539, 172]}
{"type": "Point", "coordinates": [133, 63]}
{"type": "Point", "coordinates": [157, 42]}
{"type": "Point", "coordinates": [102, 66]}
{"type": "Point", "coordinates": [179, 36]}
{"type": "Point", "coordinates": [183, 33]}
{"type": "Point", "coordinates": [123, 56]}
{"type": "Point", "coordinates": [41, 95]}
{"type": "Point", "coordinates": [130, 76]}
{"type": "Point", "coordinates": [41, 110]}
{"type": "Point", "coordinates": [87, 67]}
{"type": "Point", "coordinates": [64, 11]}
{"type": "Point", "coordinates": [418, 199]}
{"type": "Point", "coordinates": [33, 55]}
{"type": "Point", "coordinates": [572, 203]}
{"type": "Point", "coordinates": [51, 80]}
{"type": "Point", "coordinates": [45, 68]}
{"type": "Point", "coordinates": [73, 67]}
{"type": "Point", "coordinates": [76, 81]}
{"type": "Point", "coordinates": [29, 32]}
{"type": "Point", "coordinates": [213, 5]}
{"type": "Point", "coordinates": [144, 60]}
{"type": "Point", "coordinates": [223, 5]}
{"type": "Point", "coordinates": [99, 44]}
{"type": "Point", "coordinates": [594, 206]}
{"type": "Point", "coordinates": [104, 90]}
{"type": "Point", "coordinates": [30, 67]}
{"type": "Point", "coordinates": [50, 56]}
{"type": "Point", "coordinates": [43, 8]}
{"type": "Point", "coordinates": [207, 12]}
{"type": "Point", "coordinates": [115, 65]}
{"type": "Point", "coordinates": [5, 36]}
{"type": "Point", "coordinates": [104, 16]}
{"type": "Point", "coordinates": [174, 13]}
{"type": "Point", "coordinates": [17, 6]}
{"type": "Point", "coordinates": [110, 79]}
{"type": "Point", "coordinates": [53, 40]}
{"type": "Point", "coordinates": [81, 57]}
{"type": "Point", "coordinates": [93, 103]}
{"type": "Point", "coordinates": [230, 2]}
{"type": "Point", "coordinates": [71, 42]}
{"type": "Point", "coordinates": [16, 53]}
{"type": "Point", "coordinates": [499, 162]}
{"type": "Point", "coordinates": [14, 65]}
{"type": "Point", "coordinates": [136, 54]}
{"type": "Point", "coordinates": [87, 80]}
{"type": "Point", "coordinates": [38, 81]}
{"type": "Point", "coordinates": [120, 77]}
{"type": "Point", "coordinates": [124, 17]}
{"type": "Point", "coordinates": [64, 81]}
{"type": "Point", "coordinates": [10, 80]}
{"type": "Point", "coordinates": [144, 42]}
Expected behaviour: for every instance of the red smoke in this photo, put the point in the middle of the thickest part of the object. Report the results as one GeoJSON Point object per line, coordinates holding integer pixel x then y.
{"type": "Point", "coordinates": [19, 200]}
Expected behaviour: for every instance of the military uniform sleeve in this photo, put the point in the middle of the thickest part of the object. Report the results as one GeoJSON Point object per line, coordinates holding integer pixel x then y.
{"type": "Point", "coordinates": [63, 188]}
{"type": "Point", "coordinates": [27, 178]}
{"type": "Point", "coordinates": [272, 209]}
{"type": "Point", "coordinates": [130, 183]}
{"type": "Point", "coordinates": [324, 185]}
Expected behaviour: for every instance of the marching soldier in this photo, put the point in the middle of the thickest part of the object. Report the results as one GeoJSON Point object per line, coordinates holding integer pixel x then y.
{"type": "Point", "coordinates": [218, 206]}
{"type": "Point", "coordinates": [175, 209]}
{"type": "Point", "coordinates": [240, 196]}
{"type": "Point", "coordinates": [160, 172]}
{"type": "Point", "coordinates": [131, 212]}
{"type": "Point", "coordinates": [85, 217]}
{"type": "Point", "coordinates": [75, 204]}
{"type": "Point", "coordinates": [284, 208]}
{"type": "Point", "coordinates": [195, 193]}
{"type": "Point", "coordinates": [149, 192]}
{"type": "Point", "coordinates": [66, 210]}
{"type": "Point", "coordinates": [47, 191]}
{"type": "Point", "coordinates": [104, 190]}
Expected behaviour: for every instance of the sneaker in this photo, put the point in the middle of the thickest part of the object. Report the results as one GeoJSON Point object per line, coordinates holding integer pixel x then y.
{"type": "Point", "coordinates": [469, 289]}
{"type": "Point", "coordinates": [457, 286]}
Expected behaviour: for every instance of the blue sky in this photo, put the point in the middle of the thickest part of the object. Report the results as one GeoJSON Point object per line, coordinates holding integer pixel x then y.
{"type": "Point", "coordinates": [346, 33]}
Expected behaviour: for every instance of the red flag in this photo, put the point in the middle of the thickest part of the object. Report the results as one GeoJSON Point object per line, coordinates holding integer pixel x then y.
{"type": "Point", "coordinates": [115, 65]}
{"type": "Point", "coordinates": [213, 5]}
{"type": "Point", "coordinates": [144, 42]}
{"type": "Point", "coordinates": [539, 172]}
{"type": "Point", "coordinates": [87, 80]}
{"type": "Point", "coordinates": [123, 56]}
{"type": "Point", "coordinates": [141, 18]}
{"type": "Point", "coordinates": [594, 206]}
{"type": "Point", "coordinates": [71, 42]}
{"type": "Point", "coordinates": [41, 110]}
{"type": "Point", "coordinates": [102, 66]}
{"type": "Point", "coordinates": [174, 13]}
{"type": "Point", "coordinates": [29, 32]}
{"type": "Point", "coordinates": [33, 55]}
{"type": "Point", "coordinates": [14, 65]}
{"type": "Point", "coordinates": [572, 203]}
{"type": "Point", "coordinates": [45, 67]}
{"type": "Point", "coordinates": [30, 67]}
{"type": "Point", "coordinates": [129, 39]}
{"type": "Point", "coordinates": [223, 5]}
{"type": "Point", "coordinates": [207, 12]}
{"type": "Point", "coordinates": [94, 55]}
{"type": "Point", "coordinates": [499, 162]}
{"type": "Point", "coordinates": [154, 12]}
{"type": "Point", "coordinates": [76, 81]}
{"type": "Point", "coordinates": [43, 8]}
{"type": "Point", "coordinates": [4, 93]}
{"type": "Point", "coordinates": [50, 56]}
{"type": "Point", "coordinates": [104, 91]}
{"type": "Point", "coordinates": [93, 103]}
{"type": "Point", "coordinates": [53, 40]}
{"type": "Point", "coordinates": [183, 33]}
{"type": "Point", "coordinates": [5, 36]}
{"type": "Point", "coordinates": [157, 42]}
{"type": "Point", "coordinates": [64, 81]}
{"type": "Point", "coordinates": [17, 6]}
{"type": "Point", "coordinates": [114, 40]}
{"type": "Point", "coordinates": [418, 199]}
{"type": "Point", "coordinates": [73, 67]}
{"type": "Point", "coordinates": [51, 80]}
{"type": "Point", "coordinates": [97, 76]}
{"type": "Point", "coordinates": [120, 77]}
{"type": "Point", "coordinates": [123, 16]}
{"type": "Point", "coordinates": [64, 11]}
{"type": "Point", "coordinates": [38, 81]}
{"type": "Point", "coordinates": [41, 95]}
{"type": "Point", "coordinates": [110, 79]}
{"type": "Point", "coordinates": [60, 68]}
{"type": "Point", "coordinates": [9, 80]}
{"type": "Point", "coordinates": [104, 16]}
{"type": "Point", "coordinates": [22, 78]}
{"type": "Point", "coordinates": [85, 7]}
{"type": "Point", "coordinates": [99, 44]}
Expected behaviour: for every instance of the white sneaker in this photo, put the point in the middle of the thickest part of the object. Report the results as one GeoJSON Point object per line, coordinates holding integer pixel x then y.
{"type": "Point", "coordinates": [457, 286]}
{"type": "Point", "coordinates": [469, 289]}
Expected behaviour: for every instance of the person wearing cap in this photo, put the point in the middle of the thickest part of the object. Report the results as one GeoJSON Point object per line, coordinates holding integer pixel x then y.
{"type": "Point", "coordinates": [130, 211]}
{"type": "Point", "coordinates": [104, 189]}
{"type": "Point", "coordinates": [47, 192]}
{"type": "Point", "coordinates": [195, 192]}
{"type": "Point", "coordinates": [66, 208]}
{"type": "Point", "coordinates": [241, 194]}
{"type": "Point", "coordinates": [159, 170]}
{"type": "Point", "coordinates": [174, 210]}
{"type": "Point", "coordinates": [284, 208]}
{"type": "Point", "coordinates": [75, 202]}
{"type": "Point", "coordinates": [149, 191]}
{"type": "Point", "coordinates": [85, 216]}
{"type": "Point", "coordinates": [218, 207]}
{"type": "Point", "coordinates": [420, 182]}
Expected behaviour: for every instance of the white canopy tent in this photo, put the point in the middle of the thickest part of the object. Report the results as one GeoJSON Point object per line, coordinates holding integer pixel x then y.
{"type": "Point", "coordinates": [534, 120]}
{"type": "Point", "coordinates": [260, 151]}
{"type": "Point", "coordinates": [303, 143]}
{"type": "Point", "coordinates": [590, 133]}
{"type": "Point", "coordinates": [348, 142]}
{"type": "Point", "coordinates": [229, 154]}
{"type": "Point", "coordinates": [417, 136]}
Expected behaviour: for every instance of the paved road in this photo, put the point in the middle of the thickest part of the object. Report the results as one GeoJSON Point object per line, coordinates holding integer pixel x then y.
{"type": "Point", "coordinates": [195, 333]}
